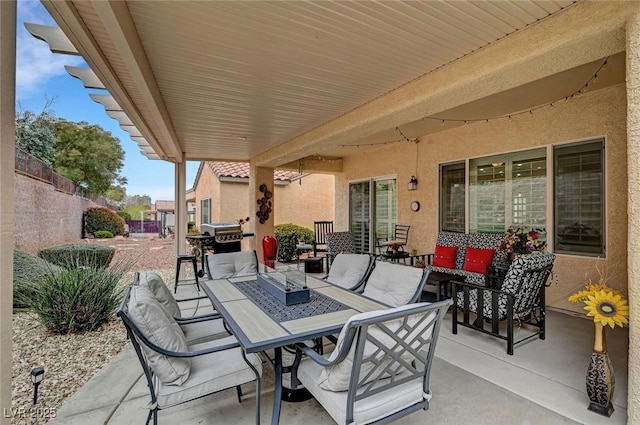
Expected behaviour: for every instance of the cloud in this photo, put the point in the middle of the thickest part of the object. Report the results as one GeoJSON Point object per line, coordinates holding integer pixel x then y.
{"type": "Point", "coordinates": [35, 64]}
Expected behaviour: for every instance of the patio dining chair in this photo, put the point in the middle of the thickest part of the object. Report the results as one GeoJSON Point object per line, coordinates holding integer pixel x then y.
{"type": "Point", "coordinates": [350, 271]}
{"type": "Point", "coordinates": [196, 328]}
{"type": "Point", "coordinates": [395, 284]}
{"type": "Point", "coordinates": [380, 368]}
{"type": "Point", "coordinates": [231, 264]}
{"type": "Point", "coordinates": [320, 230]}
{"type": "Point", "coordinates": [400, 238]}
{"type": "Point", "coordinates": [519, 301]}
{"type": "Point", "coordinates": [178, 371]}
{"type": "Point", "coordinates": [181, 308]}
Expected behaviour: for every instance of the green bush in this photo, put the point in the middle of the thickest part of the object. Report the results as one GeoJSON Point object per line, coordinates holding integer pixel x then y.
{"type": "Point", "coordinates": [288, 236]}
{"type": "Point", "coordinates": [190, 225]}
{"type": "Point", "coordinates": [96, 219]}
{"type": "Point", "coordinates": [29, 271]}
{"type": "Point", "coordinates": [78, 300]}
{"type": "Point", "coordinates": [78, 255]}
{"type": "Point", "coordinates": [103, 234]}
{"type": "Point", "coordinates": [125, 215]}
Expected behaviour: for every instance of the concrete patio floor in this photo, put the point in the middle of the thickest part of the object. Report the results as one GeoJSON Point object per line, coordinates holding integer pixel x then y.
{"type": "Point", "coordinates": [473, 381]}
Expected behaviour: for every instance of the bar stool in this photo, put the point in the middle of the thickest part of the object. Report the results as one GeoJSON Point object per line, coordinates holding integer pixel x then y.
{"type": "Point", "coordinates": [186, 258]}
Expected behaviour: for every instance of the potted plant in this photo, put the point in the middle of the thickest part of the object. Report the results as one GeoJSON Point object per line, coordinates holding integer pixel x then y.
{"type": "Point", "coordinates": [608, 307]}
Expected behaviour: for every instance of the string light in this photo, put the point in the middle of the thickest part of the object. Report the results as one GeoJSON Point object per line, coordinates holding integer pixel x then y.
{"type": "Point", "coordinates": [443, 121]}
{"type": "Point", "coordinates": [583, 89]}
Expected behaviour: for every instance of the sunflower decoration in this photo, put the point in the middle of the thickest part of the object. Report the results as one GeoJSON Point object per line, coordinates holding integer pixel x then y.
{"type": "Point", "coordinates": [606, 305]}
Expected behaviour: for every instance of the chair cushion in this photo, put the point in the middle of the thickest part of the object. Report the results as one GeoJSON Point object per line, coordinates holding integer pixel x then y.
{"type": "Point", "coordinates": [369, 410]}
{"type": "Point", "coordinates": [210, 373]}
{"type": "Point", "coordinates": [489, 241]}
{"type": "Point", "coordinates": [203, 331]}
{"type": "Point", "coordinates": [159, 289]}
{"type": "Point", "coordinates": [445, 256]}
{"type": "Point", "coordinates": [454, 239]}
{"type": "Point", "coordinates": [478, 259]}
{"type": "Point", "coordinates": [159, 327]}
{"type": "Point", "coordinates": [338, 376]}
{"type": "Point", "coordinates": [348, 269]}
{"type": "Point", "coordinates": [232, 264]}
{"type": "Point", "coordinates": [392, 283]}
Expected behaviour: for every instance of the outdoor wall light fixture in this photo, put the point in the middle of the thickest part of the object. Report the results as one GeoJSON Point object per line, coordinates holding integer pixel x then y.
{"type": "Point", "coordinates": [37, 375]}
{"type": "Point", "coordinates": [413, 183]}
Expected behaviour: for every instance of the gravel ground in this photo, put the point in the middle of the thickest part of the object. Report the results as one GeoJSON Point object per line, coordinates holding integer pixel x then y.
{"type": "Point", "coordinates": [70, 361]}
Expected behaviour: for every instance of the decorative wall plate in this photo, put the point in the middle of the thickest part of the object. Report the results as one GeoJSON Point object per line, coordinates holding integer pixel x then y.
{"type": "Point", "coordinates": [415, 206]}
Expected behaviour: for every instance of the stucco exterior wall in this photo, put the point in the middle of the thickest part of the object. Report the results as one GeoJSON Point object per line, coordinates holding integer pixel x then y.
{"type": "Point", "coordinates": [594, 114]}
{"type": "Point", "coordinates": [302, 204]}
{"type": "Point", "coordinates": [230, 201]}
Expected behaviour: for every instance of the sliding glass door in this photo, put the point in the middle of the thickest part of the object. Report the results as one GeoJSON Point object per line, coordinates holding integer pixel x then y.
{"type": "Point", "coordinates": [372, 211]}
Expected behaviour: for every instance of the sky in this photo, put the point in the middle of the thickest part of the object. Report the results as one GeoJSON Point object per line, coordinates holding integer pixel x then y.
{"type": "Point", "coordinates": [40, 76]}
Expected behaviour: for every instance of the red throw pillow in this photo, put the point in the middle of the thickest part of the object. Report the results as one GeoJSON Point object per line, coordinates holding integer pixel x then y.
{"type": "Point", "coordinates": [478, 259]}
{"type": "Point", "coordinates": [445, 256]}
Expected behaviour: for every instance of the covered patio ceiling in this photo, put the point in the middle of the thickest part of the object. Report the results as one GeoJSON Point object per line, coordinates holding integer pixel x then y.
{"type": "Point", "coordinates": [240, 81]}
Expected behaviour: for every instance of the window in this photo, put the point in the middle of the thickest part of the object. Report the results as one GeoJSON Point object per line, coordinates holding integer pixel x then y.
{"type": "Point", "coordinates": [507, 190]}
{"type": "Point", "coordinates": [205, 211]}
{"type": "Point", "coordinates": [579, 198]}
{"type": "Point", "coordinates": [452, 192]}
{"type": "Point", "coordinates": [511, 189]}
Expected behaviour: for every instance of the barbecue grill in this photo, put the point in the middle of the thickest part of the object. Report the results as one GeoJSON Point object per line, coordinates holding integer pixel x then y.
{"type": "Point", "coordinates": [225, 237]}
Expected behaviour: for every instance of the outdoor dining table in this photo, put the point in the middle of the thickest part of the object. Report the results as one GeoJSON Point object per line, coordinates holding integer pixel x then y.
{"type": "Point", "coordinates": [261, 322]}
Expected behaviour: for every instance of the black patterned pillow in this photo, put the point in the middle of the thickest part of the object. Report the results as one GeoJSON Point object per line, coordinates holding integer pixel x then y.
{"type": "Point", "coordinates": [340, 242]}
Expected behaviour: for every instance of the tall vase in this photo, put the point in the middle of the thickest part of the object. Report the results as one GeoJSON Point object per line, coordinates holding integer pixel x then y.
{"type": "Point", "coordinates": [600, 377]}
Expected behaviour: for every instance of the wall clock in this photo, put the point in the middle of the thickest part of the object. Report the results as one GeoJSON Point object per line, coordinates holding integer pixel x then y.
{"type": "Point", "coordinates": [415, 206]}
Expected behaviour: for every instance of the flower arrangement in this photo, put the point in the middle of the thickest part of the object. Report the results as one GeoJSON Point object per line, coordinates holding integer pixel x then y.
{"type": "Point", "coordinates": [606, 305]}
{"type": "Point", "coordinates": [519, 240]}
{"type": "Point", "coordinates": [394, 247]}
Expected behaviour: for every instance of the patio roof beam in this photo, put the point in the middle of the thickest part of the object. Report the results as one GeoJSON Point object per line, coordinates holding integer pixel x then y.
{"type": "Point", "coordinates": [80, 36]}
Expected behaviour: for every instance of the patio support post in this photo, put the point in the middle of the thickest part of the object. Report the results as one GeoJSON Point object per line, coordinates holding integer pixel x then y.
{"type": "Point", "coordinates": [633, 245]}
{"type": "Point", "coordinates": [7, 166]}
{"type": "Point", "coordinates": [181, 207]}
{"type": "Point", "coordinates": [260, 176]}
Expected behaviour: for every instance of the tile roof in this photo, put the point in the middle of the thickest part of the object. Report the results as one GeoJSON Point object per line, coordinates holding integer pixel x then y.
{"type": "Point", "coordinates": [165, 206]}
{"type": "Point", "coordinates": [241, 170]}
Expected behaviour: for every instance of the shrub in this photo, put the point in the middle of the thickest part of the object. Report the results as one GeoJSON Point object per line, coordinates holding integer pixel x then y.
{"type": "Point", "coordinates": [191, 225]}
{"type": "Point", "coordinates": [29, 271]}
{"type": "Point", "coordinates": [96, 219]}
{"type": "Point", "coordinates": [78, 300]}
{"type": "Point", "coordinates": [288, 236]}
{"type": "Point", "coordinates": [103, 234]}
{"type": "Point", "coordinates": [79, 255]}
{"type": "Point", "coordinates": [125, 215]}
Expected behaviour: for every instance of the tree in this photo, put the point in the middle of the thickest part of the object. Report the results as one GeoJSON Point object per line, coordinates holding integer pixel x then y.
{"type": "Point", "coordinates": [34, 134]}
{"type": "Point", "coordinates": [88, 155]}
{"type": "Point", "coordinates": [137, 200]}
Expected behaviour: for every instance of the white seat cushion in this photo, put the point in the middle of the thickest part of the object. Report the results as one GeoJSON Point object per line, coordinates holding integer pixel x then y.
{"type": "Point", "coordinates": [156, 285]}
{"type": "Point", "coordinates": [369, 409]}
{"type": "Point", "coordinates": [393, 284]}
{"type": "Point", "coordinates": [232, 264]}
{"type": "Point", "coordinates": [159, 327]}
{"type": "Point", "coordinates": [347, 269]}
{"type": "Point", "coordinates": [210, 373]}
